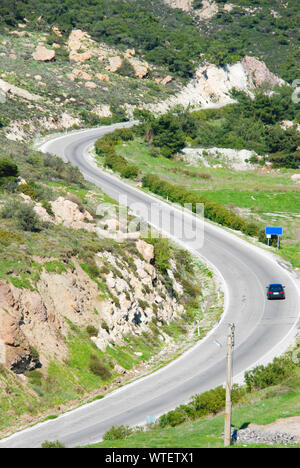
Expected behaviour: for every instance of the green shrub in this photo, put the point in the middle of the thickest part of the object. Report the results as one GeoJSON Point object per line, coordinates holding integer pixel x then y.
{"type": "Point", "coordinates": [91, 331]}
{"type": "Point", "coordinates": [8, 168]}
{"type": "Point", "coordinates": [23, 214]}
{"type": "Point", "coordinates": [99, 368]}
{"type": "Point", "coordinates": [35, 377]}
{"type": "Point", "coordinates": [212, 210]}
{"type": "Point", "coordinates": [126, 69]}
{"type": "Point", "coordinates": [118, 433]}
{"type": "Point", "coordinates": [29, 191]}
{"type": "Point", "coordinates": [7, 237]}
{"type": "Point", "coordinates": [274, 373]}
{"type": "Point", "coordinates": [105, 147]}
{"type": "Point", "coordinates": [47, 206]}
{"type": "Point", "coordinates": [173, 418]}
{"type": "Point", "coordinates": [105, 326]}
{"type": "Point", "coordinates": [55, 444]}
{"type": "Point", "coordinates": [210, 402]}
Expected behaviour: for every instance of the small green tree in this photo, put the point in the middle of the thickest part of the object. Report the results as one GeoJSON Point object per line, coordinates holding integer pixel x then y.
{"type": "Point", "coordinates": [8, 168]}
{"type": "Point", "coordinates": [56, 444]}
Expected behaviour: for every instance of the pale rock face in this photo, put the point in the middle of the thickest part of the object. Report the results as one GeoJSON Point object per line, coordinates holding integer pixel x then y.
{"type": "Point", "coordinates": [166, 80]}
{"type": "Point", "coordinates": [184, 5]}
{"type": "Point", "coordinates": [114, 64]}
{"type": "Point", "coordinates": [296, 178]}
{"type": "Point", "coordinates": [141, 69]}
{"type": "Point", "coordinates": [102, 110]}
{"type": "Point", "coordinates": [209, 9]}
{"type": "Point", "coordinates": [8, 88]}
{"type": "Point", "coordinates": [56, 31]}
{"type": "Point", "coordinates": [102, 77]}
{"type": "Point", "coordinates": [146, 250]}
{"type": "Point", "coordinates": [129, 53]}
{"type": "Point", "coordinates": [81, 74]}
{"type": "Point", "coordinates": [40, 318]}
{"type": "Point", "coordinates": [68, 211]}
{"type": "Point", "coordinates": [42, 54]}
{"type": "Point", "coordinates": [90, 85]}
{"type": "Point", "coordinates": [77, 40]}
{"type": "Point", "coordinates": [258, 73]}
{"type": "Point", "coordinates": [79, 58]}
{"type": "Point", "coordinates": [211, 85]}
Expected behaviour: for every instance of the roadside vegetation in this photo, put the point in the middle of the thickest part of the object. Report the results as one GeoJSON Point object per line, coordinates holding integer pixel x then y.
{"type": "Point", "coordinates": [29, 247]}
{"type": "Point", "coordinates": [246, 200]}
{"type": "Point", "coordinates": [270, 392]}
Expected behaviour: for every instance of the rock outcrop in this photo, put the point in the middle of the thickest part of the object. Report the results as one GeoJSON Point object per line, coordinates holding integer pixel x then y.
{"type": "Point", "coordinates": [184, 5]}
{"type": "Point", "coordinates": [35, 323]}
{"type": "Point", "coordinates": [212, 85]}
{"type": "Point", "coordinates": [42, 54]}
{"type": "Point", "coordinates": [258, 73]}
{"type": "Point", "coordinates": [8, 88]}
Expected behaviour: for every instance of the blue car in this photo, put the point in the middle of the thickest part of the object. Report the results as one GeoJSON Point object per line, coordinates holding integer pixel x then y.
{"type": "Point", "coordinates": [275, 291]}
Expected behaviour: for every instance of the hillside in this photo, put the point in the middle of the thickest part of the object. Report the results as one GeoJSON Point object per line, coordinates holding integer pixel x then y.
{"type": "Point", "coordinates": [221, 32]}
{"type": "Point", "coordinates": [83, 311]}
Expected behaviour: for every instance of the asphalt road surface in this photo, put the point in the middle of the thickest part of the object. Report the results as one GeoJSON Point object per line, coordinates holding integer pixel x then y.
{"type": "Point", "coordinates": [264, 328]}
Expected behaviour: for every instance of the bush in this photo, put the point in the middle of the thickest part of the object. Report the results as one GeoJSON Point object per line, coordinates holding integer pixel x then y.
{"type": "Point", "coordinates": [105, 147]}
{"type": "Point", "coordinates": [29, 191]}
{"type": "Point", "coordinates": [274, 373]}
{"type": "Point", "coordinates": [55, 444]}
{"type": "Point", "coordinates": [91, 330]}
{"type": "Point", "coordinates": [118, 433]}
{"type": "Point", "coordinates": [213, 211]}
{"type": "Point", "coordinates": [8, 168]}
{"type": "Point", "coordinates": [99, 368]}
{"type": "Point", "coordinates": [126, 69]}
{"type": "Point", "coordinates": [35, 377]}
{"type": "Point", "coordinates": [7, 237]}
{"type": "Point", "coordinates": [173, 418]}
{"type": "Point", "coordinates": [47, 206]}
{"type": "Point", "coordinates": [210, 402]}
{"type": "Point", "coordinates": [24, 215]}
{"type": "Point", "coordinates": [74, 199]}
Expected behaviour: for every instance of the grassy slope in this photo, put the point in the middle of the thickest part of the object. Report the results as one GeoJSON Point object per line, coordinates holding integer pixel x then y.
{"type": "Point", "coordinates": [261, 407]}
{"type": "Point", "coordinates": [18, 68]}
{"type": "Point", "coordinates": [277, 199]}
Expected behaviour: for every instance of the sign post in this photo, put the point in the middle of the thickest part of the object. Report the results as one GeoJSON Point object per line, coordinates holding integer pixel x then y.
{"type": "Point", "coordinates": [274, 231]}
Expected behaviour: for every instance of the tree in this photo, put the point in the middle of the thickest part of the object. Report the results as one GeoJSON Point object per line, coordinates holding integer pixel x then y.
{"type": "Point", "coordinates": [168, 134]}
{"type": "Point", "coordinates": [8, 168]}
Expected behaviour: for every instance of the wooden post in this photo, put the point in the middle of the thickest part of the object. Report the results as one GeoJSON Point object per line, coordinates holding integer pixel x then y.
{"type": "Point", "coordinates": [230, 344]}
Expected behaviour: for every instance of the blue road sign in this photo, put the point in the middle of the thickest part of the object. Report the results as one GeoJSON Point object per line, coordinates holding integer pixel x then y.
{"type": "Point", "coordinates": [274, 231]}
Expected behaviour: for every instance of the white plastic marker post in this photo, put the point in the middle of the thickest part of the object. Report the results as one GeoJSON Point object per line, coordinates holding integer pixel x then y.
{"type": "Point", "coordinates": [230, 345]}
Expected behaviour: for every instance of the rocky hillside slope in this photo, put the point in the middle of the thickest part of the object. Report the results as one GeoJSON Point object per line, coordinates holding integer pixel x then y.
{"type": "Point", "coordinates": [80, 312]}
{"type": "Point", "coordinates": [77, 82]}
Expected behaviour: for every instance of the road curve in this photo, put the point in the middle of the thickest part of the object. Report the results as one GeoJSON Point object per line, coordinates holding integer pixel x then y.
{"type": "Point", "coordinates": [264, 328]}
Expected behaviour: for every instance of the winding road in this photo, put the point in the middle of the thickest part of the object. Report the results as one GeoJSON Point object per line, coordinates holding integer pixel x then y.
{"type": "Point", "coordinates": [264, 328]}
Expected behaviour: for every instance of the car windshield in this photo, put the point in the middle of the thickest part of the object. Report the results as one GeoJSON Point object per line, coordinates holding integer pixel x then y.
{"type": "Point", "coordinates": [275, 287]}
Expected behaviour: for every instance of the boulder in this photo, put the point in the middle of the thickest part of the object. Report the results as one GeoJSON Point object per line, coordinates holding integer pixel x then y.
{"type": "Point", "coordinates": [141, 69]}
{"type": "Point", "coordinates": [146, 250]}
{"type": "Point", "coordinates": [166, 80]}
{"type": "Point", "coordinates": [90, 85]}
{"type": "Point", "coordinates": [102, 77]}
{"type": "Point", "coordinates": [79, 58]}
{"type": "Point", "coordinates": [41, 54]}
{"type": "Point", "coordinates": [114, 64]}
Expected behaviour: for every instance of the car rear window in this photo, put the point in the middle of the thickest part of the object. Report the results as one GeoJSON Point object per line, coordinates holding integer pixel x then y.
{"type": "Point", "coordinates": [276, 287]}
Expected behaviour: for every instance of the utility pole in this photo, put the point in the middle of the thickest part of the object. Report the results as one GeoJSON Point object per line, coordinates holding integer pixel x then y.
{"type": "Point", "coordinates": [229, 347]}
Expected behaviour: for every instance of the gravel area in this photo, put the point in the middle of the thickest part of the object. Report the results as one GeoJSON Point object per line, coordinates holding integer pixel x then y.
{"type": "Point", "coordinates": [282, 431]}
{"type": "Point", "coordinates": [255, 436]}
